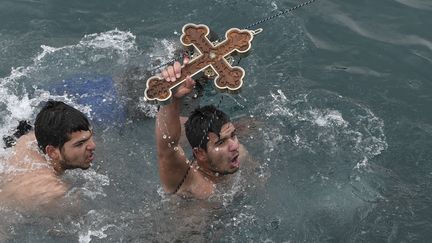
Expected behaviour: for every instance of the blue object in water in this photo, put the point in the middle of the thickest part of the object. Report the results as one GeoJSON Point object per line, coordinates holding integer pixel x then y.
{"type": "Point", "coordinates": [98, 92]}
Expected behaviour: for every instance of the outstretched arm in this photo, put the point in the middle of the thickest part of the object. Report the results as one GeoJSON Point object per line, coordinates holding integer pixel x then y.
{"type": "Point", "coordinates": [171, 157]}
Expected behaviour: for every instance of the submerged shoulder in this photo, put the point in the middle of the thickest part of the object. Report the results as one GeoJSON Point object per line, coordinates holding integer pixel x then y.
{"type": "Point", "coordinates": [26, 139]}
{"type": "Point", "coordinates": [33, 189]}
{"type": "Point", "coordinates": [25, 154]}
{"type": "Point", "coordinates": [196, 186]}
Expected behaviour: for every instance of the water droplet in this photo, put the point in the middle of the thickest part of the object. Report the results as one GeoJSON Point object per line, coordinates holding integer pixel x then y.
{"type": "Point", "coordinates": [164, 136]}
{"type": "Point", "coordinates": [176, 148]}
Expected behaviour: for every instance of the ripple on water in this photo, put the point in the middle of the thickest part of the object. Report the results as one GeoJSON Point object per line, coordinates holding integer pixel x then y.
{"type": "Point", "coordinates": [317, 143]}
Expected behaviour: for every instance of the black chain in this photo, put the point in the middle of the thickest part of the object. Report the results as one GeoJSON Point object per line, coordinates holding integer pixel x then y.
{"type": "Point", "coordinates": [280, 13]}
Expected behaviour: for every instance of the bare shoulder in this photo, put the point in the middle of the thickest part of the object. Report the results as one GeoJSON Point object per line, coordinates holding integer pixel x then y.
{"type": "Point", "coordinates": [27, 141]}
{"type": "Point", "coordinates": [25, 152]}
{"type": "Point", "coordinates": [33, 189]}
{"type": "Point", "coordinates": [195, 185]}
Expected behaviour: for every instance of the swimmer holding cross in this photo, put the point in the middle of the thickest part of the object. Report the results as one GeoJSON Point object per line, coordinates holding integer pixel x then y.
{"type": "Point", "coordinates": [217, 152]}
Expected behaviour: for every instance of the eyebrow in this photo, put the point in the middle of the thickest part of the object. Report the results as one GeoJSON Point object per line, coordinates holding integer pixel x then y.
{"type": "Point", "coordinates": [220, 139]}
{"type": "Point", "coordinates": [83, 140]}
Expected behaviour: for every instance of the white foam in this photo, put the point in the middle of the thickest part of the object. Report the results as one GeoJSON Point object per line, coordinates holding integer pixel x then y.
{"type": "Point", "coordinates": [164, 50]}
{"type": "Point", "coordinates": [93, 182]}
{"type": "Point", "coordinates": [94, 229]}
{"type": "Point", "coordinates": [19, 107]}
{"type": "Point", "coordinates": [147, 108]}
{"type": "Point", "coordinates": [361, 164]}
{"type": "Point", "coordinates": [100, 233]}
{"type": "Point", "coordinates": [113, 46]}
{"type": "Point", "coordinates": [46, 50]}
{"type": "Point", "coordinates": [274, 6]}
{"type": "Point", "coordinates": [327, 117]}
{"type": "Point", "coordinates": [317, 126]}
{"type": "Point", "coordinates": [123, 41]}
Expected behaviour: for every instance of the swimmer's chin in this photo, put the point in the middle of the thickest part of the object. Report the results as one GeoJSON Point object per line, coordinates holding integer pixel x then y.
{"type": "Point", "coordinates": [88, 166]}
{"type": "Point", "coordinates": [85, 166]}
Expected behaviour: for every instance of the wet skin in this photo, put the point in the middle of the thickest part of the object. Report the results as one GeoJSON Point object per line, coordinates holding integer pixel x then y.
{"type": "Point", "coordinates": [223, 151]}
{"type": "Point", "coordinates": [40, 186]}
{"type": "Point", "coordinates": [78, 152]}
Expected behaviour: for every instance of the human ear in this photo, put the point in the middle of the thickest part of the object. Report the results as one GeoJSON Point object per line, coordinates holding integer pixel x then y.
{"type": "Point", "coordinates": [52, 152]}
{"type": "Point", "coordinates": [200, 154]}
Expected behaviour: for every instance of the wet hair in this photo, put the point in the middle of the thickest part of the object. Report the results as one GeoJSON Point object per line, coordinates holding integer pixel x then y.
{"type": "Point", "coordinates": [202, 121]}
{"type": "Point", "coordinates": [56, 121]}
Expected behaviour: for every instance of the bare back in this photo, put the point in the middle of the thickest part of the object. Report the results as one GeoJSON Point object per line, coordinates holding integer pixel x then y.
{"type": "Point", "coordinates": [29, 179]}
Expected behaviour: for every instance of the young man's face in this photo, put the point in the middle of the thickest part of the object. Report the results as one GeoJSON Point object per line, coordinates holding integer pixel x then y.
{"type": "Point", "coordinates": [78, 152]}
{"type": "Point", "coordinates": [223, 150]}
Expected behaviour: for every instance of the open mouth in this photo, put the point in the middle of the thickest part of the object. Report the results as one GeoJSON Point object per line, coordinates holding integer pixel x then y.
{"type": "Point", "coordinates": [235, 162]}
{"type": "Point", "coordinates": [91, 157]}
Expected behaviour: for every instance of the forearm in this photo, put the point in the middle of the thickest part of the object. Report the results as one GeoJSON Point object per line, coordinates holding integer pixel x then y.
{"type": "Point", "coordinates": [168, 126]}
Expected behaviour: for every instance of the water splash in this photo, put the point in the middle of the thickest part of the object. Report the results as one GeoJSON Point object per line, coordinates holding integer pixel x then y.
{"type": "Point", "coordinates": [96, 227]}
{"type": "Point", "coordinates": [27, 86]}
{"type": "Point", "coordinates": [326, 138]}
{"type": "Point", "coordinates": [322, 119]}
{"type": "Point", "coordinates": [90, 183]}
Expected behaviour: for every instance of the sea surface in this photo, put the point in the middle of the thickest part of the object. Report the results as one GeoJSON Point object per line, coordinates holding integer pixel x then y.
{"type": "Point", "coordinates": [336, 100]}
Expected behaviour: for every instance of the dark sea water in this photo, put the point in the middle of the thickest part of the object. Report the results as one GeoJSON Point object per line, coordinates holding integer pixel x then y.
{"type": "Point", "coordinates": [339, 94]}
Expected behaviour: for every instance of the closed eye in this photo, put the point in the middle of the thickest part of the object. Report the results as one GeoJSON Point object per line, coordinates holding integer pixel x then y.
{"type": "Point", "coordinates": [79, 144]}
{"type": "Point", "coordinates": [220, 142]}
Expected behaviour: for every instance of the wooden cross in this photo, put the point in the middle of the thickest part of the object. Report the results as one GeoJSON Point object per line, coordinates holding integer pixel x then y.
{"type": "Point", "coordinates": [228, 78]}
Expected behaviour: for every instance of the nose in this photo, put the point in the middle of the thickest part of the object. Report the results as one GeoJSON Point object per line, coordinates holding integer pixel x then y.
{"type": "Point", "coordinates": [234, 144]}
{"type": "Point", "coordinates": [91, 144]}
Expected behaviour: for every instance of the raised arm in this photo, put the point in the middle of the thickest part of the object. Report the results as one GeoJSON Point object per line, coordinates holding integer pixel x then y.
{"type": "Point", "coordinates": [171, 157]}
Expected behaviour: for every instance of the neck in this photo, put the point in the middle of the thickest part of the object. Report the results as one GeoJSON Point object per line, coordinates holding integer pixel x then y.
{"type": "Point", "coordinates": [58, 168]}
{"type": "Point", "coordinates": [209, 174]}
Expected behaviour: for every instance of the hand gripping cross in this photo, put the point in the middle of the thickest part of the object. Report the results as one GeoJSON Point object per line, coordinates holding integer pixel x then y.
{"type": "Point", "coordinates": [228, 78]}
